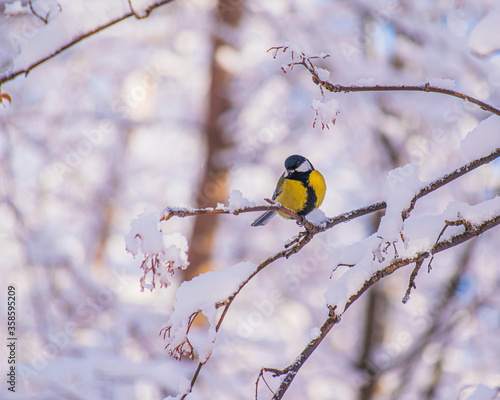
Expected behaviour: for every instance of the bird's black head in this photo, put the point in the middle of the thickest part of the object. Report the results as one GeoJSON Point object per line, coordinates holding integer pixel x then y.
{"type": "Point", "coordinates": [297, 163]}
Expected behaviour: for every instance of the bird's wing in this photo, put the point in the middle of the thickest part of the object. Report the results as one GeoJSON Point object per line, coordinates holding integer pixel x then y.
{"type": "Point", "coordinates": [279, 185]}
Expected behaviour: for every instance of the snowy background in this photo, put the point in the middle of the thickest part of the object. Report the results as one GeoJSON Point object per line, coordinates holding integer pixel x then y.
{"type": "Point", "coordinates": [118, 124]}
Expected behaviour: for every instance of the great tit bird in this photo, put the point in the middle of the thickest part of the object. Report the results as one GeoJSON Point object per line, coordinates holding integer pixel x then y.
{"type": "Point", "coordinates": [301, 189]}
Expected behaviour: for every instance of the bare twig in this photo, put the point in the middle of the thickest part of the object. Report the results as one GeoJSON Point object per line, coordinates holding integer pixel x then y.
{"type": "Point", "coordinates": [11, 75]}
{"type": "Point", "coordinates": [291, 371]}
{"type": "Point", "coordinates": [466, 224]}
{"type": "Point", "coordinates": [411, 284]}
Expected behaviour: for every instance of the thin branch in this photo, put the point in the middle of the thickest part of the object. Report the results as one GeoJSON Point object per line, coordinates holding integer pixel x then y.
{"type": "Point", "coordinates": [291, 371]}
{"type": "Point", "coordinates": [395, 265]}
{"type": "Point", "coordinates": [10, 76]}
{"type": "Point", "coordinates": [467, 225]}
{"type": "Point", "coordinates": [411, 283]}
{"type": "Point", "coordinates": [426, 87]}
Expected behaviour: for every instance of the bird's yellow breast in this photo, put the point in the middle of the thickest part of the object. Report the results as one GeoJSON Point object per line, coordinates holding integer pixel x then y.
{"type": "Point", "coordinates": [293, 195]}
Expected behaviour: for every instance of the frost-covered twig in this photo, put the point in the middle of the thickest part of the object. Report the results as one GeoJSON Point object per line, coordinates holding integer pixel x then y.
{"type": "Point", "coordinates": [182, 212]}
{"type": "Point", "coordinates": [14, 74]}
{"type": "Point", "coordinates": [316, 73]}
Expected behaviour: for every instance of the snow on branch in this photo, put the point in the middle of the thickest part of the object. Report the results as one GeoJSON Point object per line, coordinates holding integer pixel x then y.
{"type": "Point", "coordinates": [402, 240]}
{"type": "Point", "coordinates": [162, 254]}
{"type": "Point", "coordinates": [204, 293]}
{"type": "Point", "coordinates": [320, 76]}
{"type": "Point", "coordinates": [237, 205]}
{"type": "Point", "coordinates": [288, 374]}
{"type": "Point", "coordinates": [56, 29]}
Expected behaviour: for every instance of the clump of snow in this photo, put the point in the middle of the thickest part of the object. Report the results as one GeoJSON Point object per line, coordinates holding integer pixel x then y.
{"type": "Point", "coordinates": [15, 8]}
{"type": "Point", "coordinates": [483, 392]}
{"type": "Point", "coordinates": [314, 333]}
{"type": "Point", "coordinates": [294, 50]}
{"type": "Point", "coordinates": [184, 387]}
{"type": "Point", "coordinates": [144, 235]}
{"type": "Point", "coordinates": [421, 233]}
{"type": "Point", "coordinates": [326, 112]}
{"type": "Point", "coordinates": [482, 38]}
{"type": "Point", "coordinates": [323, 74]}
{"type": "Point", "coordinates": [317, 217]}
{"type": "Point", "coordinates": [377, 251]}
{"type": "Point", "coordinates": [338, 293]}
{"type": "Point", "coordinates": [237, 201]}
{"type": "Point", "coordinates": [404, 184]}
{"type": "Point", "coordinates": [476, 214]}
{"type": "Point", "coordinates": [202, 294]}
{"type": "Point", "coordinates": [442, 83]}
{"type": "Point", "coordinates": [483, 139]}
{"type": "Point", "coordinates": [162, 254]}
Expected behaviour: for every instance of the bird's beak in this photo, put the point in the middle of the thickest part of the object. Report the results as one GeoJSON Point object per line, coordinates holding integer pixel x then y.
{"type": "Point", "coordinates": [288, 172]}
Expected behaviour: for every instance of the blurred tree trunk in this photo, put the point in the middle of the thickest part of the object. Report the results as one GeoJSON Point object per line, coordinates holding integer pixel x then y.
{"type": "Point", "coordinates": [213, 184]}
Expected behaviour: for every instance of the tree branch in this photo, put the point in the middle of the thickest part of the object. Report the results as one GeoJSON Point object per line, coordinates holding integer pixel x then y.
{"type": "Point", "coordinates": [450, 177]}
{"type": "Point", "coordinates": [305, 61]}
{"type": "Point", "coordinates": [426, 87]}
{"type": "Point", "coordinates": [10, 76]}
{"type": "Point", "coordinates": [312, 230]}
{"type": "Point", "coordinates": [395, 265]}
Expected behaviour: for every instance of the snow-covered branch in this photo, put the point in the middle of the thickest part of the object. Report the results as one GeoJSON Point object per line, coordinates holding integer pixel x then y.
{"type": "Point", "coordinates": [473, 230]}
{"type": "Point", "coordinates": [80, 37]}
{"type": "Point", "coordinates": [397, 243]}
{"type": "Point", "coordinates": [319, 75]}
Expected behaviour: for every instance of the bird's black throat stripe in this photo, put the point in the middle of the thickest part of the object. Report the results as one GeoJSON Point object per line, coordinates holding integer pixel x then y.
{"type": "Point", "coordinates": [311, 201]}
{"type": "Point", "coordinates": [311, 195]}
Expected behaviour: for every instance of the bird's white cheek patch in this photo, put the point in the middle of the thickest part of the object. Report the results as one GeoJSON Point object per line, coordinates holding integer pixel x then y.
{"type": "Point", "coordinates": [304, 167]}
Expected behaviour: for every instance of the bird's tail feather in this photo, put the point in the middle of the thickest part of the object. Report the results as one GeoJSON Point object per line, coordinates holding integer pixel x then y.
{"type": "Point", "coordinates": [264, 218]}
